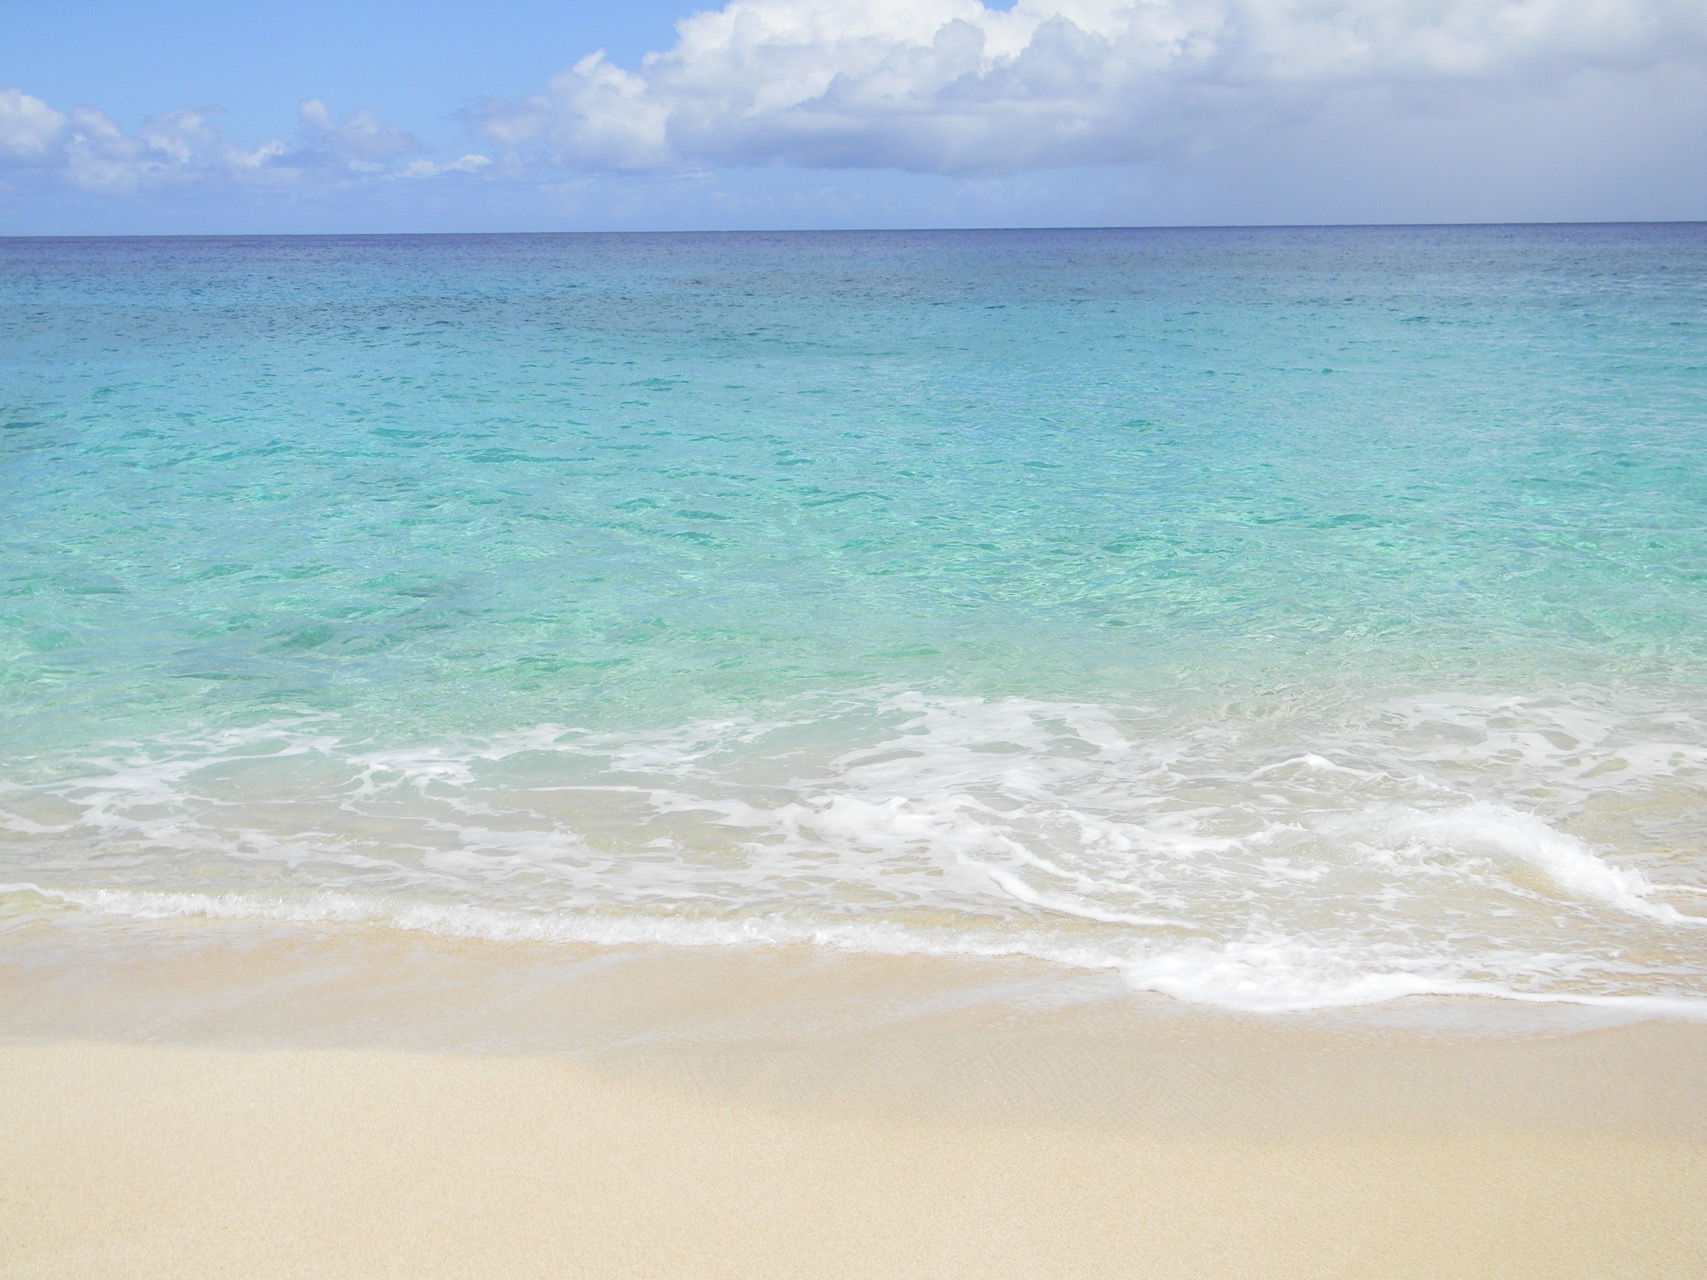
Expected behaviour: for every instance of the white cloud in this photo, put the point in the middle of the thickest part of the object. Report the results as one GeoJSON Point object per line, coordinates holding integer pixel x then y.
{"type": "Point", "coordinates": [1203, 110]}
{"type": "Point", "coordinates": [172, 149]}
{"type": "Point", "coordinates": [87, 151]}
{"type": "Point", "coordinates": [362, 141]}
{"type": "Point", "coordinates": [427, 169]}
{"type": "Point", "coordinates": [953, 86]}
{"type": "Point", "coordinates": [30, 130]}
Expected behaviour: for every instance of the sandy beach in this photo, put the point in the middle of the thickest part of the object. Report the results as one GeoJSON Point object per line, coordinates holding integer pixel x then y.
{"type": "Point", "coordinates": [1009, 751]}
{"type": "Point", "coordinates": [134, 1161]}
{"type": "Point", "coordinates": [735, 1113]}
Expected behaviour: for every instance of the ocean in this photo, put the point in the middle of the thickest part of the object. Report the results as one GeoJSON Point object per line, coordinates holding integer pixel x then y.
{"type": "Point", "coordinates": [1276, 619]}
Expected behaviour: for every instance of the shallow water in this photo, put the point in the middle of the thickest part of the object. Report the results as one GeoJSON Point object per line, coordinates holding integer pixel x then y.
{"type": "Point", "coordinates": [1275, 618]}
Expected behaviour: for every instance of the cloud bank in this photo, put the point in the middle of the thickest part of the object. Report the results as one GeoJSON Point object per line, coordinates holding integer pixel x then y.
{"type": "Point", "coordinates": [92, 153]}
{"type": "Point", "coordinates": [799, 113]}
{"type": "Point", "coordinates": [951, 86]}
{"type": "Point", "coordinates": [87, 151]}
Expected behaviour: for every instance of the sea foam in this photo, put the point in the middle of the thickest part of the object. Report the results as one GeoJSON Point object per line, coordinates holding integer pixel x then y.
{"type": "Point", "coordinates": [1217, 863]}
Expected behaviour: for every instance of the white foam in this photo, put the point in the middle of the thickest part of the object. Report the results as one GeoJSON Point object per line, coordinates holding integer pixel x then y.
{"type": "Point", "coordinates": [1272, 861]}
{"type": "Point", "coordinates": [1020, 891]}
{"type": "Point", "coordinates": [1277, 976]}
{"type": "Point", "coordinates": [1568, 861]}
{"type": "Point", "coordinates": [1259, 975]}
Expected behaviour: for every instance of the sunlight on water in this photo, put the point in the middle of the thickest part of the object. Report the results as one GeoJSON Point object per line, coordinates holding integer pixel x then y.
{"type": "Point", "coordinates": [1277, 618]}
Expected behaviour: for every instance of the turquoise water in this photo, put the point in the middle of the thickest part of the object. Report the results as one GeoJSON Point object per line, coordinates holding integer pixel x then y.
{"type": "Point", "coordinates": [1277, 617]}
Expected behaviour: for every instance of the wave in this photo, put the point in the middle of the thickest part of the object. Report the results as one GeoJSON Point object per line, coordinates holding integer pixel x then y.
{"type": "Point", "coordinates": [1259, 976]}
{"type": "Point", "coordinates": [1259, 861]}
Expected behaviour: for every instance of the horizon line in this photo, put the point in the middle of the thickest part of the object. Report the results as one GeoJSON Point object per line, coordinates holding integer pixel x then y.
{"type": "Point", "coordinates": [900, 230]}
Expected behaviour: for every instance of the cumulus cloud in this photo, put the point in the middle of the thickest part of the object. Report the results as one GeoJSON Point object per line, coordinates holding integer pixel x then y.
{"type": "Point", "coordinates": [30, 130]}
{"type": "Point", "coordinates": [86, 150]}
{"type": "Point", "coordinates": [954, 86]}
{"type": "Point", "coordinates": [175, 148]}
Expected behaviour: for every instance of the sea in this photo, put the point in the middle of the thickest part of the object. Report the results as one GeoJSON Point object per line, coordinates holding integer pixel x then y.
{"type": "Point", "coordinates": [1272, 619]}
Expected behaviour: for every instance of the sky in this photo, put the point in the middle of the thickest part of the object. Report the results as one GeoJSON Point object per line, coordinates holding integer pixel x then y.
{"type": "Point", "coordinates": [190, 116]}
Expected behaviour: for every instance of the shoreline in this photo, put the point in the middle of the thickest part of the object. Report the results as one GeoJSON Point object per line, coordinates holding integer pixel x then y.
{"type": "Point", "coordinates": [292, 1102]}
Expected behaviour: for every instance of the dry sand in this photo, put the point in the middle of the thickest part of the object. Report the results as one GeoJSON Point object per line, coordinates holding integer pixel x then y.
{"type": "Point", "coordinates": [959, 1137]}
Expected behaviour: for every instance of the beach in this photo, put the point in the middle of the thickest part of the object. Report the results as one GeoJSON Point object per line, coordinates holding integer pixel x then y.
{"type": "Point", "coordinates": [1116, 752]}
{"type": "Point", "coordinates": [779, 1114]}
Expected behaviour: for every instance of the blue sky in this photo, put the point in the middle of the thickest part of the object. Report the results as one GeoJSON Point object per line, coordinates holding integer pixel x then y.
{"type": "Point", "coordinates": [185, 115]}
